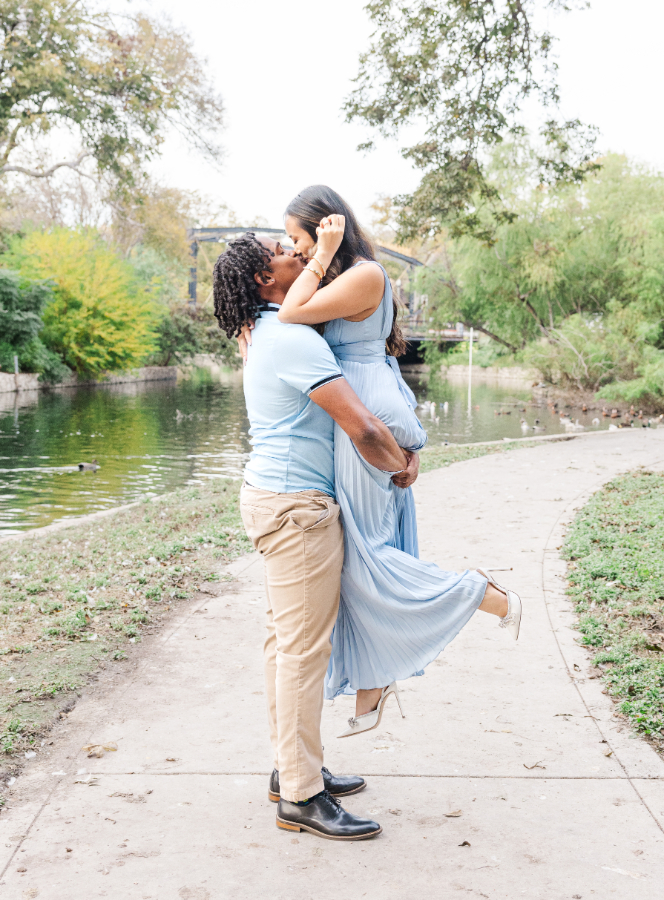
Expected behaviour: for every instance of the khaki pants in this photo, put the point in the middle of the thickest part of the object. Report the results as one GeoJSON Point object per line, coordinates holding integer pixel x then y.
{"type": "Point", "coordinates": [300, 538]}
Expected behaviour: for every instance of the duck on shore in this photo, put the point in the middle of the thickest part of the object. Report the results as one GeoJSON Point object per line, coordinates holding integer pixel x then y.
{"type": "Point", "coordinates": [88, 466]}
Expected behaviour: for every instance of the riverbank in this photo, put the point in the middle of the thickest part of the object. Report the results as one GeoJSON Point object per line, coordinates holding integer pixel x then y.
{"type": "Point", "coordinates": [510, 764]}
{"type": "Point", "coordinates": [25, 382]}
{"type": "Point", "coordinates": [520, 379]}
{"type": "Point", "coordinates": [76, 598]}
{"type": "Point", "coordinates": [78, 595]}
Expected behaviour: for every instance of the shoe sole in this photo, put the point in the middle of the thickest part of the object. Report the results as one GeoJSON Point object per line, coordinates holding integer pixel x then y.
{"type": "Point", "coordinates": [275, 798]}
{"type": "Point", "coordinates": [292, 826]}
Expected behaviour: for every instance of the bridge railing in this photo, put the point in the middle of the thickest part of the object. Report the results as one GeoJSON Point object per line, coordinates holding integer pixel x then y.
{"type": "Point", "coordinates": [416, 325]}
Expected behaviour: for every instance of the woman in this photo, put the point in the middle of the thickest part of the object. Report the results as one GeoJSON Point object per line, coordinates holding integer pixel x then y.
{"type": "Point", "coordinates": [397, 612]}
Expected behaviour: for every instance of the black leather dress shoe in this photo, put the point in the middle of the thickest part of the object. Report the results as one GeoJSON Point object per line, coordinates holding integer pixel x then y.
{"type": "Point", "coordinates": [325, 816]}
{"type": "Point", "coordinates": [337, 785]}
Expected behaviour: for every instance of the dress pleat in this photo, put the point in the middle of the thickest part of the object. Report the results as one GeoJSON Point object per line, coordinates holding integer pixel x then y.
{"type": "Point", "coordinates": [397, 612]}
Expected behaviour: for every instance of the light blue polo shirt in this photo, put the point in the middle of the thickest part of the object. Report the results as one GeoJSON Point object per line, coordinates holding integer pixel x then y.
{"type": "Point", "coordinates": [292, 437]}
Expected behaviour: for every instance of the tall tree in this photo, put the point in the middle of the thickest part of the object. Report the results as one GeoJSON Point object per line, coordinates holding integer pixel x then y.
{"type": "Point", "coordinates": [115, 82]}
{"type": "Point", "coordinates": [462, 71]}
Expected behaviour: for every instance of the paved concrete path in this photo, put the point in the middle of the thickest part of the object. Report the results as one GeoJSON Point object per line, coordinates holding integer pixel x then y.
{"type": "Point", "coordinates": [512, 739]}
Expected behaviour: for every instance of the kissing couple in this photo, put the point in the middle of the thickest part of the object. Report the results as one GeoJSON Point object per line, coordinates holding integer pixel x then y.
{"type": "Point", "coordinates": [327, 498]}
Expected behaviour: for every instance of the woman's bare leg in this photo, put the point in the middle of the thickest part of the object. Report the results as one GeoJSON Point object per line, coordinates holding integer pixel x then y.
{"type": "Point", "coordinates": [367, 701]}
{"type": "Point", "coordinates": [494, 602]}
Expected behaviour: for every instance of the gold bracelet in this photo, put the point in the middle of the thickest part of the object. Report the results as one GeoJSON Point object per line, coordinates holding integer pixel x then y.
{"type": "Point", "coordinates": [314, 272]}
{"type": "Point", "coordinates": [315, 258]}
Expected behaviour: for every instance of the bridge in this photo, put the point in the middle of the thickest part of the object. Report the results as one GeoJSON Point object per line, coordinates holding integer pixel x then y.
{"type": "Point", "coordinates": [415, 325]}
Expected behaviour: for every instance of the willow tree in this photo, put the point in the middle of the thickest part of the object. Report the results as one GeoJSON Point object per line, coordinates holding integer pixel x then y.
{"type": "Point", "coordinates": [113, 83]}
{"type": "Point", "coordinates": [461, 73]}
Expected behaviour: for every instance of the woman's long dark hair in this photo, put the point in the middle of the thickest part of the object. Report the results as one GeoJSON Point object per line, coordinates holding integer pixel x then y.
{"type": "Point", "coordinates": [309, 207]}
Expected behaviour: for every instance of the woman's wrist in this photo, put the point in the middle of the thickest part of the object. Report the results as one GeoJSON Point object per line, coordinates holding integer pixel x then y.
{"type": "Point", "coordinates": [324, 258]}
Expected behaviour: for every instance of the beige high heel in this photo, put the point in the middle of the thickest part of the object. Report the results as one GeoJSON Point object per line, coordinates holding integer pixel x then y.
{"type": "Point", "coordinates": [370, 720]}
{"type": "Point", "coordinates": [512, 621]}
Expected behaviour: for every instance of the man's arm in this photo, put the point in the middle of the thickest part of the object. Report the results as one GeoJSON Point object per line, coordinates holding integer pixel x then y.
{"type": "Point", "coordinates": [372, 438]}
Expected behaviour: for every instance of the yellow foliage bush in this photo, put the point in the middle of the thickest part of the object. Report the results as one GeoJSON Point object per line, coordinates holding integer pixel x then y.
{"type": "Point", "coordinates": [100, 319]}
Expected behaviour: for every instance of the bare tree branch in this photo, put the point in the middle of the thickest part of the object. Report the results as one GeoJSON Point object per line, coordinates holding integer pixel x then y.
{"type": "Point", "coordinates": [494, 337]}
{"type": "Point", "coordinates": [454, 289]}
{"type": "Point", "coordinates": [46, 173]}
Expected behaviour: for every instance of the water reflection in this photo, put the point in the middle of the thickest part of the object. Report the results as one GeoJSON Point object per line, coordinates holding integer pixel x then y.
{"type": "Point", "coordinates": [148, 438]}
{"type": "Point", "coordinates": [153, 437]}
{"type": "Point", "coordinates": [489, 412]}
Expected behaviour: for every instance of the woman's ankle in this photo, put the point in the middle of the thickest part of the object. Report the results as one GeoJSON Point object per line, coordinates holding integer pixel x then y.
{"type": "Point", "coordinates": [495, 602]}
{"type": "Point", "coordinates": [367, 701]}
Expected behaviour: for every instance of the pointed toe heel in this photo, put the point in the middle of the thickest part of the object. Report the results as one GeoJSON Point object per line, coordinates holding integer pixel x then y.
{"type": "Point", "coordinates": [512, 621]}
{"type": "Point", "coordinates": [370, 720]}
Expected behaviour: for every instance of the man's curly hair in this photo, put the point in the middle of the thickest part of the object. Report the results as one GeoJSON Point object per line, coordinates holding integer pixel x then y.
{"type": "Point", "coordinates": [237, 297]}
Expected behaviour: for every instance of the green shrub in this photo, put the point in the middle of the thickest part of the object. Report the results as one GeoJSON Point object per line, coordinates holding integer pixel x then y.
{"type": "Point", "coordinates": [98, 319]}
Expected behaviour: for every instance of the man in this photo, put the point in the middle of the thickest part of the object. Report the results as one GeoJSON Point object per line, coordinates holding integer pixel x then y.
{"type": "Point", "coordinates": [294, 390]}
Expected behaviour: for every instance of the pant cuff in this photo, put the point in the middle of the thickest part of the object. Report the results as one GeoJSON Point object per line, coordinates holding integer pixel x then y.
{"type": "Point", "coordinates": [297, 796]}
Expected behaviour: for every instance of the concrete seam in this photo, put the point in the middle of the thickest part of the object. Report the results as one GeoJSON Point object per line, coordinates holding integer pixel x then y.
{"type": "Point", "coordinates": [564, 515]}
{"type": "Point", "coordinates": [214, 774]}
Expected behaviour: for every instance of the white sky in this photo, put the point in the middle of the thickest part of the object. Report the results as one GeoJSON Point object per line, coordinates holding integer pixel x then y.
{"type": "Point", "coordinates": [284, 72]}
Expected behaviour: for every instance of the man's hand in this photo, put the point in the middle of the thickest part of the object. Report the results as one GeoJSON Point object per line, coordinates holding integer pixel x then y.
{"type": "Point", "coordinates": [372, 438]}
{"type": "Point", "coordinates": [409, 475]}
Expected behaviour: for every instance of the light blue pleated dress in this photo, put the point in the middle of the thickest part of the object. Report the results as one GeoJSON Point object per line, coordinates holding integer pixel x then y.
{"type": "Point", "coordinates": [397, 612]}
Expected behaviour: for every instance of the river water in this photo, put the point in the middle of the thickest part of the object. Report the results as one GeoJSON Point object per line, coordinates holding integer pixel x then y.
{"type": "Point", "coordinates": [152, 437]}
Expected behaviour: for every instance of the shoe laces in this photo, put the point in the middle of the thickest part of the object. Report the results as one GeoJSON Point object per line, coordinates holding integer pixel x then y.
{"type": "Point", "coordinates": [326, 796]}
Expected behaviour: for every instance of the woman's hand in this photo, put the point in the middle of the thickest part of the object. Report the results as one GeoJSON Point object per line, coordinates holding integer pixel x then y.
{"type": "Point", "coordinates": [330, 235]}
{"type": "Point", "coordinates": [244, 340]}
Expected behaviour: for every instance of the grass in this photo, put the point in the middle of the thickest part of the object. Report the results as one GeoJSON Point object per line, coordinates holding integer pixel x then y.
{"type": "Point", "coordinates": [74, 600]}
{"type": "Point", "coordinates": [615, 549]}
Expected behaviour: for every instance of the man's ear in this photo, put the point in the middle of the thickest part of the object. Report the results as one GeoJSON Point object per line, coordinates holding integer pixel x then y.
{"type": "Point", "coordinates": [264, 278]}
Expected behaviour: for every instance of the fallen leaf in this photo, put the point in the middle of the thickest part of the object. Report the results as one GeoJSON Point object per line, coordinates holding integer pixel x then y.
{"type": "Point", "coordinates": [464, 844]}
{"type": "Point", "coordinates": [130, 798]}
{"type": "Point", "coordinates": [98, 749]}
{"type": "Point", "coordinates": [608, 753]}
{"type": "Point", "coordinates": [453, 815]}
{"type": "Point", "coordinates": [623, 872]}
{"type": "Point", "coordinates": [395, 812]}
